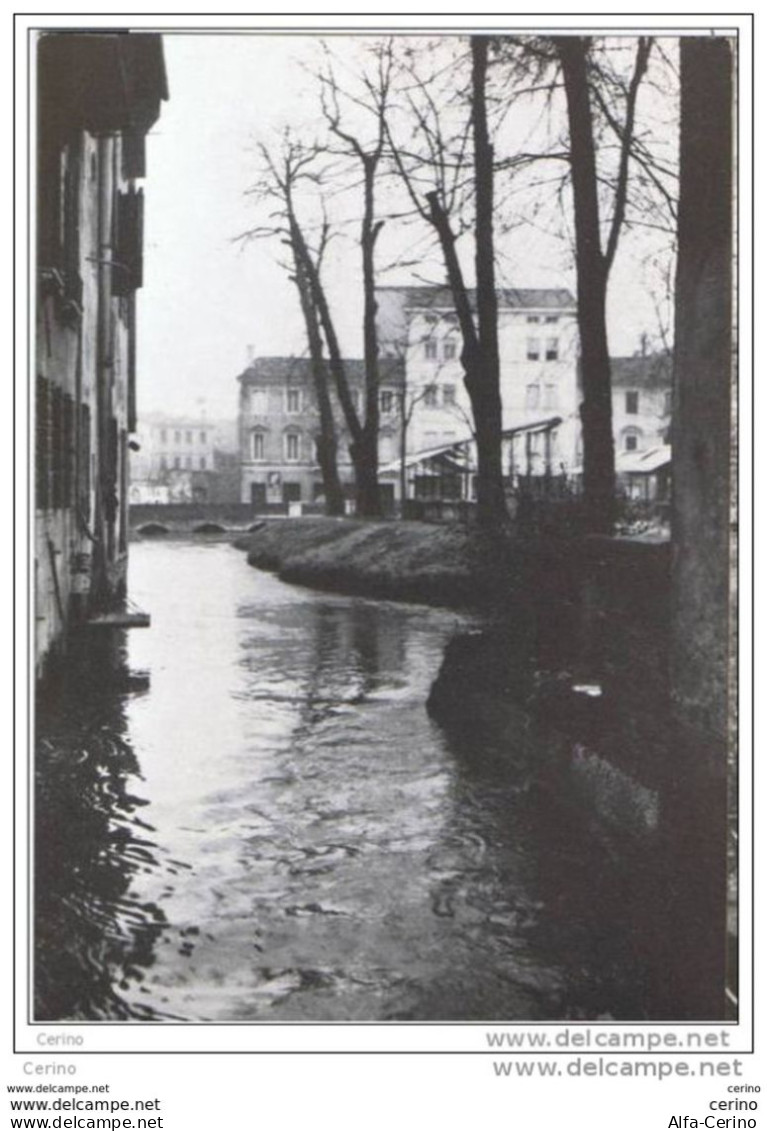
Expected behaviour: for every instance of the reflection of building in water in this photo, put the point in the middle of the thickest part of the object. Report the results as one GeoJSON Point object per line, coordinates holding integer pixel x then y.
{"type": "Point", "coordinates": [355, 650]}
{"type": "Point", "coordinates": [90, 934]}
{"type": "Point", "coordinates": [98, 95]}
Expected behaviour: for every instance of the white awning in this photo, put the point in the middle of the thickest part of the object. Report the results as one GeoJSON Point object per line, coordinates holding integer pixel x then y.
{"type": "Point", "coordinates": [643, 463]}
{"type": "Point", "coordinates": [458, 449]}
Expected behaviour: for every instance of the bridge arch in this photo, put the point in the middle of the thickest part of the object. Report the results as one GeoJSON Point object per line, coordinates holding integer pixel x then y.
{"type": "Point", "coordinates": [209, 528]}
{"type": "Point", "coordinates": [153, 529]}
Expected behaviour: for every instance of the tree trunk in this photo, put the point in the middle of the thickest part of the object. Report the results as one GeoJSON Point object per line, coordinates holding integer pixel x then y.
{"type": "Point", "coordinates": [486, 376]}
{"type": "Point", "coordinates": [368, 493]}
{"type": "Point", "coordinates": [703, 641]}
{"type": "Point", "coordinates": [365, 470]}
{"type": "Point", "coordinates": [479, 355]}
{"type": "Point", "coordinates": [591, 271]}
{"type": "Point", "coordinates": [327, 447]}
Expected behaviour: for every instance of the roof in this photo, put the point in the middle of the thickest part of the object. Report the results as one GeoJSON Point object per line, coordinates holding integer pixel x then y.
{"type": "Point", "coordinates": [652, 370]}
{"type": "Point", "coordinates": [457, 447]}
{"type": "Point", "coordinates": [396, 303]}
{"type": "Point", "coordinates": [441, 297]}
{"type": "Point", "coordinates": [299, 369]}
{"type": "Point", "coordinates": [102, 82]}
{"type": "Point", "coordinates": [543, 425]}
{"type": "Point", "coordinates": [643, 463]}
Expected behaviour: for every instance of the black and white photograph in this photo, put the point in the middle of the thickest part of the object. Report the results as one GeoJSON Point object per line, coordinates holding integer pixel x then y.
{"type": "Point", "coordinates": [384, 525]}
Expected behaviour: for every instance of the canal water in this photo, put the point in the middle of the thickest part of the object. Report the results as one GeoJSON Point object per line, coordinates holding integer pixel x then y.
{"type": "Point", "coordinates": [246, 813]}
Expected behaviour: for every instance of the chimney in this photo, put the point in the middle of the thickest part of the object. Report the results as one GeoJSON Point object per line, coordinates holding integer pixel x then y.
{"type": "Point", "coordinates": [250, 352]}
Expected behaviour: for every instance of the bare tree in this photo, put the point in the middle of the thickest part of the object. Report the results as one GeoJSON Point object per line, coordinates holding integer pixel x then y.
{"type": "Point", "coordinates": [327, 445]}
{"type": "Point", "coordinates": [593, 267]}
{"type": "Point", "coordinates": [443, 157]}
{"type": "Point", "coordinates": [363, 145]}
{"type": "Point", "coordinates": [283, 174]}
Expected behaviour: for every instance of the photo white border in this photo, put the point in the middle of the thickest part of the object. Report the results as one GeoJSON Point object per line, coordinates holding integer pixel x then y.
{"type": "Point", "coordinates": [368, 1037]}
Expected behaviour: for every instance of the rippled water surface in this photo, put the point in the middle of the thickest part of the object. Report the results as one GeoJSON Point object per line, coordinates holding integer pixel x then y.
{"type": "Point", "coordinates": [245, 813]}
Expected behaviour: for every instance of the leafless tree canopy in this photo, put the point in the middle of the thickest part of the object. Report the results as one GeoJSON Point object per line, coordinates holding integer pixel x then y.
{"type": "Point", "coordinates": [441, 156]}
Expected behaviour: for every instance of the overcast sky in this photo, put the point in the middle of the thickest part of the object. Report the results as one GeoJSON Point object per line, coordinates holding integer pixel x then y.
{"type": "Point", "coordinates": [205, 297]}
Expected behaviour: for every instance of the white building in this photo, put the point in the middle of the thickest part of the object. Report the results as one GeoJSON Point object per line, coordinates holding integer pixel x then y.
{"type": "Point", "coordinates": [641, 399]}
{"type": "Point", "coordinates": [538, 345]}
{"type": "Point", "coordinates": [178, 459]}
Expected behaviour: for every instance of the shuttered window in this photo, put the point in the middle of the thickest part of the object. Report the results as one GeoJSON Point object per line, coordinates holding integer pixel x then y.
{"type": "Point", "coordinates": [128, 270]}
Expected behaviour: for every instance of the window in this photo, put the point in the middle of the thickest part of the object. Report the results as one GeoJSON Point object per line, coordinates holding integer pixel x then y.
{"type": "Point", "coordinates": [387, 402]}
{"type": "Point", "coordinates": [188, 463]}
{"type": "Point", "coordinates": [58, 217]}
{"type": "Point", "coordinates": [164, 436]}
{"type": "Point", "coordinates": [552, 349]}
{"type": "Point", "coordinates": [449, 350]}
{"type": "Point", "coordinates": [430, 349]}
{"type": "Point", "coordinates": [632, 402]}
{"type": "Point", "coordinates": [258, 402]}
{"type": "Point", "coordinates": [549, 396]}
{"type": "Point", "coordinates": [430, 396]}
{"type": "Point", "coordinates": [632, 438]}
{"type": "Point", "coordinates": [532, 396]}
{"type": "Point", "coordinates": [128, 242]}
{"type": "Point", "coordinates": [258, 445]}
{"type": "Point", "coordinates": [203, 463]}
{"type": "Point", "coordinates": [533, 318]}
{"type": "Point", "coordinates": [203, 437]}
{"type": "Point", "coordinates": [177, 462]}
{"type": "Point", "coordinates": [533, 349]}
{"type": "Point", "coordinates": [177, 437]}
{"type": "Point", "coordinates": [294, 401]}
{"type": "Point", "coordinates": [188, 437]}
{"type": "Point", "coordinates": [163, 463]}
{"type": "Point", "coordinates": [292, 448]}
{"type": "Point", "coordinates": [667, 402]}
{"type": "Point", "coordinates": [550, 319]}
{"type": "Point", "coordinates": [448, 395]}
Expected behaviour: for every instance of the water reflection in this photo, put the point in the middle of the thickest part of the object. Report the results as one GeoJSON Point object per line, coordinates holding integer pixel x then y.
{"type": "Point", "coordinates": [94, 935]}
{"type": "Point", "coordinates": [308, 843]}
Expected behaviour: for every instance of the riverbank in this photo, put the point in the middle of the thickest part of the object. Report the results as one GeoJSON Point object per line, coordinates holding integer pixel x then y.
{"type": "Point", "coordinates": [446, 564]}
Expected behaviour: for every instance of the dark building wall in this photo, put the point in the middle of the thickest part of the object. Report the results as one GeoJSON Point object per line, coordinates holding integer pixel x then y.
{"type": "Point", "coordinates": [93, 91]}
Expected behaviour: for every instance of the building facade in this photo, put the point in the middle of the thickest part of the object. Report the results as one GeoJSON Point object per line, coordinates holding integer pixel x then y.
{"type": "Point", "coordinates": [183, 459]}
{"type": "Point", "coordinates": [97, 97]}
{"type": "Point", "coordinates": [641, 401]}
{"type": "Point", "coordinates": [426, 414]}
{"type": "Point", "coordinates": [538, 346]}
{"type": "Point", "coordinates": [279, 424]}
{"type": "Point", "coordinates": [539, 384]}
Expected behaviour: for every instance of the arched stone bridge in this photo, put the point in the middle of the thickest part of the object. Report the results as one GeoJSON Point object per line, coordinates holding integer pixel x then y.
{"type": "Point", "coordinates": [156, 519]}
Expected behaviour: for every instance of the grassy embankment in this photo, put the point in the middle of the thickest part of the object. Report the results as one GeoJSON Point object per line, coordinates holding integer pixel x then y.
{"type": "Point", "coordinates": [445, 564]}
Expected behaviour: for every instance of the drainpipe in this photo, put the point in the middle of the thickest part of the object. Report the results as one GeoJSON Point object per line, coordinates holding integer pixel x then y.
{"type": "Point", "coordinates": [100, 587]}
